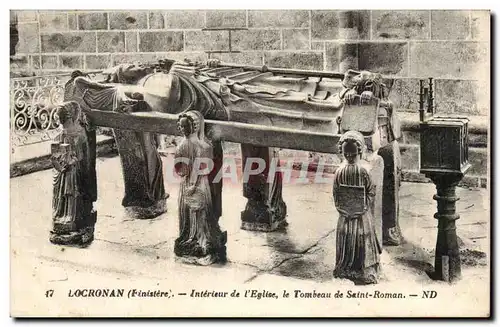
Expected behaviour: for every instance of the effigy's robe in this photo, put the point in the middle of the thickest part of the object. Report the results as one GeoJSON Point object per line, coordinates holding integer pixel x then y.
{"type": "Point", "coordinates": [297, 102]}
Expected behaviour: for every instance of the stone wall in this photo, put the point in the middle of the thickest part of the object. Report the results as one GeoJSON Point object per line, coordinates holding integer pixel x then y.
{"type": "Point", "coordinates": [450, 46]}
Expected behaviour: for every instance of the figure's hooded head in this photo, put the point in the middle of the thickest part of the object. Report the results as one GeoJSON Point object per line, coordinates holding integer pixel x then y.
{"type": "Point", "coordinates": [185, 125]}
{"type": "Point", "coordinates": [352, 145]}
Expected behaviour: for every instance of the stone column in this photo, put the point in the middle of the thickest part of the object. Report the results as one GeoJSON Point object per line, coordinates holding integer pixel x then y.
{"type": "Point", "coordinates": [265, 209]}
{"type": "Point", "coordinates": [447, 262]}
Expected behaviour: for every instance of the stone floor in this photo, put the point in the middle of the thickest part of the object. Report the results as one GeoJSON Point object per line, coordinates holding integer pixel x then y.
{"type": "Point", "coordinates": [139, 254]}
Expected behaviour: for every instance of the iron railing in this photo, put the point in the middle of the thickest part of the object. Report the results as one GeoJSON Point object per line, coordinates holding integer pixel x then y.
{"type": "Point", "coordinates": [32, 107]}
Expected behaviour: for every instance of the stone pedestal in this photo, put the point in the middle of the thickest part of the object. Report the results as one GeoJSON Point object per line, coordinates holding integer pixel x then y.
{"type": "Point", "coordinates": [447, 262]}
{"type": "Point", "coordinates": [265, 210]}
{"type": "Point", "coordinates": [79, 236]}
{"type": "Point", "coordinates": [444, 148]}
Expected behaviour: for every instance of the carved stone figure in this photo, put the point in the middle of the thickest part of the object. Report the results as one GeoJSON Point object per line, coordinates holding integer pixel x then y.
{"type": "Point", "coordinates": [145, 195]}
{"type": "Point", "coordinates": [358, 248]}
{"type": "Point", "coordinates": [299, 100]}
{"type": "Point", "coordinates": [200, 240]}
{"type": "Point", "coordinates": [74, 182]}
{"type": "Point", "coordinates": [369, 85]}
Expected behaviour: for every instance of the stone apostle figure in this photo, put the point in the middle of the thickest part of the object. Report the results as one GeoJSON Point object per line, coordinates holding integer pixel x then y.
{"type": "Point", "coordinates": [74, 182]}
{"type": "Point", "coordinates": [200, 239]}
{"type": "Point", "coordinates": [357, 247]}
{"type": "Point", "coordinates": [368, 85]}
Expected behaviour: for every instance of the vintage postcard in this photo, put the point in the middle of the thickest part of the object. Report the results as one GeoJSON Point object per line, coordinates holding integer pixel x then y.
{"type": "Point", "coordinates": [250, 163]}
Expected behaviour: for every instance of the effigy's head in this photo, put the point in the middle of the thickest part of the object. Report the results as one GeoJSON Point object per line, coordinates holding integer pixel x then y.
{"type": "Point", "coordinates": [352, 146]}
{"type": "Point", "coordinates": [128, 73]}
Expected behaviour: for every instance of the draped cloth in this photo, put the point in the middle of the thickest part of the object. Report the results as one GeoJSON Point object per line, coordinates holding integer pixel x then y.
{"type": "Point", "coordinates": [299, 102]}
{"type": "Point", "coordinates": [357, 246]}
{"type": "Point", "coordinates": [259, 98]}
